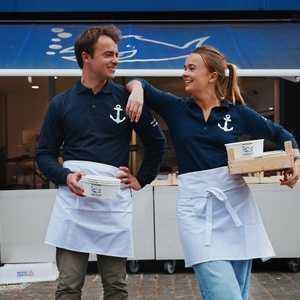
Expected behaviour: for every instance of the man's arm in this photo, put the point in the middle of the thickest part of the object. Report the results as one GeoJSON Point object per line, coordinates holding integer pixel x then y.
{"type": "Point", "coordinates": [48, 149]}
{"type": "Point", "coordinates": [155, 146]}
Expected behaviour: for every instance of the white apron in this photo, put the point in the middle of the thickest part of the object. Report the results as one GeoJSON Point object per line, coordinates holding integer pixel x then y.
{"type": "Point", "coordinates": [218, 218]}
{"type": "Point", "coordinates": [92, 225]}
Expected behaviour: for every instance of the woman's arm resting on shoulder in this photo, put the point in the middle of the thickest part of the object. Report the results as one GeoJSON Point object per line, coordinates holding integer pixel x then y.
{"type": "Point", "coordinates": [135, 101]}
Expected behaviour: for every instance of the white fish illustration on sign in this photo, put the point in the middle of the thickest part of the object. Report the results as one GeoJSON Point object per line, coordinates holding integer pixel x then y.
{"type": "Point", "coordinates": [132, 48]}
{"type": "Point", "coordinates": [133, 55]}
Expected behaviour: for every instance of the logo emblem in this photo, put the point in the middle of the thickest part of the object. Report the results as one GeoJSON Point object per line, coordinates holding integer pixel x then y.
{"type": "Point", "coordinates": [117, 119]}
{"type": "Point", "coordinates": [154, 123]}
{"type": "Point", "coordinates": [225, 127]}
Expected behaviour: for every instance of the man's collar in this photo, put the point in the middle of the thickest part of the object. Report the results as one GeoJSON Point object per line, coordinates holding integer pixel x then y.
{"type": "Point", "coordinates": [107, 88]}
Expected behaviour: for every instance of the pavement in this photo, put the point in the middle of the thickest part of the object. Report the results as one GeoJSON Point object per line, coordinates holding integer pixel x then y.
{"type": "Point", "coordinates": [269, 280]}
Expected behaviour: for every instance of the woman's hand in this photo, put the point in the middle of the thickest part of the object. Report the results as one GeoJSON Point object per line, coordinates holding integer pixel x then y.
{"type": "Point", "coordinates": [135, 101]}
{"type": "Point", "coordinates": [291, 176]}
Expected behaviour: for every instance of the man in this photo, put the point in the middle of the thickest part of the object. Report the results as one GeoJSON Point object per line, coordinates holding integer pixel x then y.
{"type": "Point", "coordinates": [88, 125]}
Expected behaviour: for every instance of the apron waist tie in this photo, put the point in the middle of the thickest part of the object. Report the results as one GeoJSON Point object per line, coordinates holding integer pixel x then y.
{"type": "Point", "coordinates": [206, 201]}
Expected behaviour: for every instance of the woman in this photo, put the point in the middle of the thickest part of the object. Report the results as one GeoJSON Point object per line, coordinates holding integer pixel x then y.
{"type": "Point", "coordinates": [219, 224]}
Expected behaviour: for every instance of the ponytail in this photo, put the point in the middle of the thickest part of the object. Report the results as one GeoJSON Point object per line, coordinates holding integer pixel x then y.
{"type": "Point", "coordinates": [227, 88]}
{"type": "Point", "coordinates": [232, 89]}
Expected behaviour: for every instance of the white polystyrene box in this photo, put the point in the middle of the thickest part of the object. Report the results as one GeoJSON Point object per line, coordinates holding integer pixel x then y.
{"type": "Point", "coordinates": [18, 273]}
{"type": "Point", "coordinates": [253, 148]}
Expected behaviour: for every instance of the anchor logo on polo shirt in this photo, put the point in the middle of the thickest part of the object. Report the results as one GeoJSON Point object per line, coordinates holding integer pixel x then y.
{"type": "Point", "coordinates": [225, 127]}
{"type": "Point", "coordinates": [117, 119]}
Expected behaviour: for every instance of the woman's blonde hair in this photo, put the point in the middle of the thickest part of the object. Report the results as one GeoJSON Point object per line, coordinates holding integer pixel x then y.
{"type": "Point", "coordinates": [227, 88]}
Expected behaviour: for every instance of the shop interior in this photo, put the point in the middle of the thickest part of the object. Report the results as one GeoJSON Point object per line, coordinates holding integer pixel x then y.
{"type": "Point", "coordinates": [24, 100]}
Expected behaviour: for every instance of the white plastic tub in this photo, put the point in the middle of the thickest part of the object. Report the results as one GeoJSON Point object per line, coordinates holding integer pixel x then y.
{"type": "Point", "coordinates": [253, 148]}
{"type": "Point", "coordinates": [100, 186]}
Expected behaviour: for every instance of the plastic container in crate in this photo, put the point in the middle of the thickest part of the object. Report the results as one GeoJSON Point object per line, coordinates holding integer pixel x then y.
{"type": "Point", "coordinates": [253, 148]}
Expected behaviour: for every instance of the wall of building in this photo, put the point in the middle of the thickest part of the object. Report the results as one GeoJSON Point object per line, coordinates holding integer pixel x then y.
{"type": "Point", "coordinates": [154, 5]}
{"type": "Point", "coordinates": [143, 11]}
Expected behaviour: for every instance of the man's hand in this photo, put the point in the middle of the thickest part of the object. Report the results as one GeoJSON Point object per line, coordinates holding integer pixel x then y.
{"type": "Point", "coordinates": [73, 185]}
{"type": "Point", "coordinates": [135, 102]}
{"type": "Point", "coordinates": [128, 179]}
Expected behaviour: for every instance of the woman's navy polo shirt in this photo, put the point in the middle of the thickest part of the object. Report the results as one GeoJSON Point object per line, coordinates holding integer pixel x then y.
{"type": "Point", "coordinates": [200, 145]}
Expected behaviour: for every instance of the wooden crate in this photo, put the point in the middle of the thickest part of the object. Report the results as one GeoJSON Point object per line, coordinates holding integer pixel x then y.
{"type": "Point", "coordinates": [268, 162]}
{"type": "Point", "coordinates": [261, 177]}
{"type": "Point", "coordinates": [159, 182]}
{"type": "Point", "coordinates": [171, 180]}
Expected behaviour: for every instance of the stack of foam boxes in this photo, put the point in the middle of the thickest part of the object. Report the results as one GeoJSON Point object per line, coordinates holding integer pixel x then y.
{"type": "Point", "coordinates": [27, 163]}
{"type": "Point", "coordinates": [30, 139]}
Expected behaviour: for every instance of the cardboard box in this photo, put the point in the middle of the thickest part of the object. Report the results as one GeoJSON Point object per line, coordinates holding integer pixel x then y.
{"type": "Point", "coordinates": [30, 136]}
{"type": "Point", "coordinates": [28, 149]}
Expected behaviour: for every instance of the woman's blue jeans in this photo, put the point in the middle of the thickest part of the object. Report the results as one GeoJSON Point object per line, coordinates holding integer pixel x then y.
{"type": "Point", "coordinates": [224, 279]}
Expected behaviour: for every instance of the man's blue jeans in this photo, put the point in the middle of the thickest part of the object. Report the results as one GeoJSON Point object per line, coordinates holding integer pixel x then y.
{"type": "Point", "coordinates": [224, 279]}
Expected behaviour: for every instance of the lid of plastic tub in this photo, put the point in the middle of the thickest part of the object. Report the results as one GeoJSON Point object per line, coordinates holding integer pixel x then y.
{"type": "Point", "coordinates": [244, 142]}
{"type": "Point", "coordinates": [104, 180]}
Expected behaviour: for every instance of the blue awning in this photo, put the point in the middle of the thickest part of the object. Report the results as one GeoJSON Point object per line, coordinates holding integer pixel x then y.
{"type": "Point", "coordinates": [258, 49]}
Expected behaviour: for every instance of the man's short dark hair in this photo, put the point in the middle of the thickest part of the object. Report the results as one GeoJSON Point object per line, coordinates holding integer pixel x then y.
{"type": "Point", "coordinates": [86, 41]}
